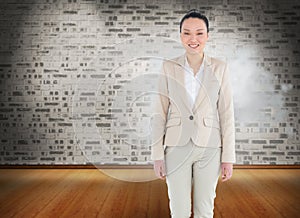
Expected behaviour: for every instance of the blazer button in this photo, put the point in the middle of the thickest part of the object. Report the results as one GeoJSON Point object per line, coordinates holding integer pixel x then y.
{"type": "Point", "coordinates": [191, 117]}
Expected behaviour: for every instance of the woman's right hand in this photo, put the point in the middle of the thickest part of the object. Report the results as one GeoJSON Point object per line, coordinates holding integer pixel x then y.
{"type": "Point", "coordinates": [159, 169]}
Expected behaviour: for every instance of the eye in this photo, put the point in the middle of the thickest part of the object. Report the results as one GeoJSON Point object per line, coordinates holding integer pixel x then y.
{"type": "Point", "coordinates": [200, 34]}
{"type": "Point", "coordinates": [186, 33]}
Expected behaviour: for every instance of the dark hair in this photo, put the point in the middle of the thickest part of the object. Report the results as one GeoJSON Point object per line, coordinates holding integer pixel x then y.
{"type": "Point", "coordinates": [194, 13]}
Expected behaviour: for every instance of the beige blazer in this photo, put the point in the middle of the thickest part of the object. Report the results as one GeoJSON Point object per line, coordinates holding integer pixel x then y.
{"type": "Point", "coordinates": [209, 122]}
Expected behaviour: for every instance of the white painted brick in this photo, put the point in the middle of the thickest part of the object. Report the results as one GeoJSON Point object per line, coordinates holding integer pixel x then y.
{"type": "Point", "coordinates": [44, 34]}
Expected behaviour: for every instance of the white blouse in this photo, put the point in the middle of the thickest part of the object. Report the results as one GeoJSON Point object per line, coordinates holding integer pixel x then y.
{"type": "Point", "coordinates": [192, 82]}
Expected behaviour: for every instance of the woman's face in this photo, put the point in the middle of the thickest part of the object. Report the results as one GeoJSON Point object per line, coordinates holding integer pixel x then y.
{"type": "Point", "coordinates": [193, 35]}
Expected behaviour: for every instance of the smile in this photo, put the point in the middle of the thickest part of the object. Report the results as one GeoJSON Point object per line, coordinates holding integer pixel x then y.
{"type": "Point", "coordinates": [193, 45]}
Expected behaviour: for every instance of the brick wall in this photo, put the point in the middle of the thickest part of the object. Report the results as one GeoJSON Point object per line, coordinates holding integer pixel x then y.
{"type": "Point", "coordinates": [77, 76]}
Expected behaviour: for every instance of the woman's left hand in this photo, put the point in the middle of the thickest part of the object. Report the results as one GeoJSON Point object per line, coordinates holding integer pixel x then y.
{"type": "Point", "coordinates": [227, 169]}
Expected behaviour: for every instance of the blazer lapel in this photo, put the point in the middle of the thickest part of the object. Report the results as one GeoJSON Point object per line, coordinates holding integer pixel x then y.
{"type": "Point", "coordinates": [203, 82]}
{"type": "Point", "coordinates": [179, 71]}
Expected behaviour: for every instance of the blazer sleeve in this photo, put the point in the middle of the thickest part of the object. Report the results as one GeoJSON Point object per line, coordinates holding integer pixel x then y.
{"type": "Point", "coordinates": [226, 116]}
{"type": "Point", "coordinates": [158, 121]}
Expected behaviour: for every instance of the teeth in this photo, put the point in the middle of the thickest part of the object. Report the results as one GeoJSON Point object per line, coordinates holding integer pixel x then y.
{"type": "Point", "coordinates": [194, 45]}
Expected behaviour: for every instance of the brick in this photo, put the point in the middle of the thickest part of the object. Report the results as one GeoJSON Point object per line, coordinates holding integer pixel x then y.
{"type": "Point", "coordinates": [259, 141]}
{"type": "Point", "coordinates": [274, 141]}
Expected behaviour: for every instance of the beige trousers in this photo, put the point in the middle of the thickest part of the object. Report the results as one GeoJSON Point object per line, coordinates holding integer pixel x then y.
{"type": "Point", "coordinates": [192, 165]}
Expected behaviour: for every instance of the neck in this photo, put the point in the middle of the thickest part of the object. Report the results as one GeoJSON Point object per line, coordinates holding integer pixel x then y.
{"type": "Point", "coordinates": [195, 59]}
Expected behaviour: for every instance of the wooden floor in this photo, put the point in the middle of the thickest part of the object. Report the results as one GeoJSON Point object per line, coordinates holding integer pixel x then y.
{"type": "Point", "coordinates": [92, 193]}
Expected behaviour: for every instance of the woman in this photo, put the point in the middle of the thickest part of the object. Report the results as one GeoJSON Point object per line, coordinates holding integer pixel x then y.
{"type": "Point", "coordinates": [194, 122]}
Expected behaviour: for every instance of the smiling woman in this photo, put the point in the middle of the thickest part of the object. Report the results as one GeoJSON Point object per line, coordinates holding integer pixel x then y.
{"type": "Point", "coordinates": [195, 91]}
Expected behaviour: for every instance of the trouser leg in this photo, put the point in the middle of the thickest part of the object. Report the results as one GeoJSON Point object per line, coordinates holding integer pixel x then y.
{"type": "Point", "coordinates": [205, 179]}
{"type": "Point", "coordinates": [179, 179]}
